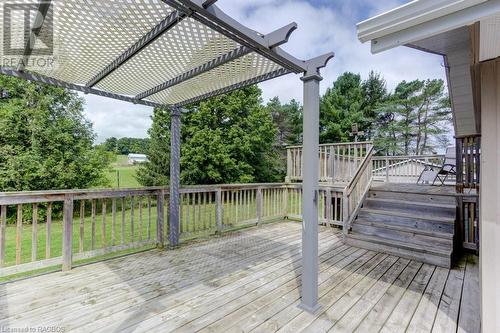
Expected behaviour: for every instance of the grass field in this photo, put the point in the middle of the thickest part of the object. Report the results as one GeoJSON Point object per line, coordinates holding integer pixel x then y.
{"type": "Point", "coordinates": [123, 174]}
{"type": "Point", "coordinates": [140, 232]}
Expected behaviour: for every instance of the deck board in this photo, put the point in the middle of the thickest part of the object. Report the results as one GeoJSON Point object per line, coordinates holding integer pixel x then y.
{"type": "Point", "coordinates": [248, 281]}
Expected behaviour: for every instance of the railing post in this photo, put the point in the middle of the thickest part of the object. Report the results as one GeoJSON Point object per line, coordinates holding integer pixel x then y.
{"type": "Point", "coordinates": [285, 202]}
{"type": "Point", "coordinates": [288, 178]}
{"type": "Point", "coordinates": [259, 205]}
{"type": "Point", "coordinates": [328, 205]}
{"type": "Point", "coordinates": [160, 204]}
{"type": "Point", "coordinates": [387, 170]}
{"type": "Point", "coordinates": [67, 246]}
{"type": "Point", "coordinates": [3, 227]}
{"type": "Point", "coordinates": [218, 210]}
{"type": "Point", "coordinates": [345, 211]}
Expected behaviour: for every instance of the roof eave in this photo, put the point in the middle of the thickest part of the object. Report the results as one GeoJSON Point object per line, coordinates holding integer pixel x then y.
{"type": "Point", "coordinates": [421, 19]}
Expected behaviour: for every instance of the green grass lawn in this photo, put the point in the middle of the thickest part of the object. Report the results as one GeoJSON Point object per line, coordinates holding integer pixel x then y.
{"type": "Point", "coordinates": [123, 174]}
{"type": "Point", "coordinates": [140, 231]}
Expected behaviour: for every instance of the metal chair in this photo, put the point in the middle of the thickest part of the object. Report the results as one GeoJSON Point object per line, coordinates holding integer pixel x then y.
{"type": "Point", "coordinates": [431, 174]}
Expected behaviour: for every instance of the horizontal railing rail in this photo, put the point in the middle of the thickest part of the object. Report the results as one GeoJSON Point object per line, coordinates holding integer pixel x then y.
{"type": "Point", "coordinates": [49, 228]}
{"type": "Point", "coordinates": [404, 169]}
{"type": "Point", "coordinates": [337, 162]}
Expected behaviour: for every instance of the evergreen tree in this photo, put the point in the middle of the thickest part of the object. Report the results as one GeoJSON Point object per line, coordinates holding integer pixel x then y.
{"type": "Point", "coordinates": [415, 119]}
{"type": "Point", "coordinates": [340, 107]}
{"type": "Point", "coordinates": [374, 93]}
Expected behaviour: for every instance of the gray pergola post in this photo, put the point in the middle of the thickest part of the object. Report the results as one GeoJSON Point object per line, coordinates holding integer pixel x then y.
{"type": "Point", "coordinates": [310, 182]}
{"type": "Point", "coordinates": [175, 152]}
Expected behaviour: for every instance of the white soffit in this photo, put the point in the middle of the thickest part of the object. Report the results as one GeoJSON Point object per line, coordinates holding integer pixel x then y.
{"type": "Point", "coordinates": [489, 38]}
{"type": "Point", "coordinates": [422, 19]}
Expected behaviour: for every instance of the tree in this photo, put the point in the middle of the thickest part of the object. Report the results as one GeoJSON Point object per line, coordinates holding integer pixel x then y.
{"type": "Point", "coordinates": [111, 145]}
{"type": "Point", "coordinates": [226, 139]}
{"type": "Point", "coordinates": [288, 121]}
{"type": "Point", "coordinates": [415, 119]}
{"type": "Point", "coordinates": [45, 141]}
{"type": "Point", "coordinates": [374, 93]}
{"type": "Point", "coordinates": [340, 107]}
{"type": "Point", "coordinates": [156, 171]}
{"type": "Point", "coordinates": [229, 139]}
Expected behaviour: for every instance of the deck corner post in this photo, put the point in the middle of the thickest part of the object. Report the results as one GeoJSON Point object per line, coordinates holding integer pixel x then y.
{"type": "Point", "coordinates": [175, 152]}
{"type": "Point", "coordinates": [218, 210]}
{"type": "Point", "coordinates": [258, 205]}
{"type": "Point", "coordinates": [160, 202]}
{"type": "Point", "coordinates": [67, 245]}
{"type": "Point", "coordinates": [310, 182]}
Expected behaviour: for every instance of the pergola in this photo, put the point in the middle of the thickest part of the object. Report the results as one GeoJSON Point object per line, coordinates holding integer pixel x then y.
{"type": "Point", "coordinates": [166, 54]}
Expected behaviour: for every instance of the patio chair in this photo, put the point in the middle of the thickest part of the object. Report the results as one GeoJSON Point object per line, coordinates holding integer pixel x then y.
{"type": "Point", "coordinates": [431, 173]}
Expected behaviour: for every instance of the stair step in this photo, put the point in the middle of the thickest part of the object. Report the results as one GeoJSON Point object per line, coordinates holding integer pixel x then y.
{"type": "Point", "coordinates": [401, 249]}
{"type": "Point", "coordinates": [407, 229]}
{"type": "Point", "coordinates": [394, 218]}
{"type": "Point", "coordinates": [420, 208]}
{"type": "Point", "coordinates": [407, 237]}
{"type": "Point", "coordinates": [413, 197]}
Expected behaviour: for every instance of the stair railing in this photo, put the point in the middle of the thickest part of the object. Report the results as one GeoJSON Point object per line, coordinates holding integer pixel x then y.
{"type": "Point", "coordinates": [357, 189]}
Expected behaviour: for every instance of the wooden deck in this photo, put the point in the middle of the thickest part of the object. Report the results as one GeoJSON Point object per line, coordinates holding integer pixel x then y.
{"type": "Point", "coordinates": [248, 281]}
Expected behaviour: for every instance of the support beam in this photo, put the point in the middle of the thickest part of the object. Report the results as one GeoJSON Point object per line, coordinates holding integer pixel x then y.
{"type": "Point", "coordinates": [66, 85]}
{"type": "Point", "coordinates": [166, 24]}
{"type": "Point", "coordinates": [43, 9]}
{"type": "Point", "coordinates": [310, 183]}
{"type": "Point", "coordinates": [216, 19]}
{"type": "Point", "coordinates": [175, 152]}
{"type": "Point", "coordinates": [258, 79]}
{"type": "Point", "coordinates": [275, 38]}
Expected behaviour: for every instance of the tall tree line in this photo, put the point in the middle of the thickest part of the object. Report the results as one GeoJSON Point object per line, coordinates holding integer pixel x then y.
{"type": "Point", "coordinates": [236, 138]}
{"type": "Point", "coordinates": [125, 146]}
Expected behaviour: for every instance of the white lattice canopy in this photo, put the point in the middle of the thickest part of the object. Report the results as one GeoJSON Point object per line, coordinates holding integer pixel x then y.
{"type": "Point", "coordinates": [153, 52]}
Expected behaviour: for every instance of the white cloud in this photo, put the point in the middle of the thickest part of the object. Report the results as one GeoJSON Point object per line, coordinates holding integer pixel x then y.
{"type": "Point", "coordinates": [116, 118]}
{"type": "Point", "coordinates": [323, 26]}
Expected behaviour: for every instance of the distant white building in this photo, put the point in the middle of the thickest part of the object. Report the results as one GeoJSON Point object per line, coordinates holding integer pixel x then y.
{"type": "Point", "coordinates": [137, 158]}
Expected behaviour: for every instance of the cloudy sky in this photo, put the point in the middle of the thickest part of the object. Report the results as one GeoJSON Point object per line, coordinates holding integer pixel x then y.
{"type": "Point", "coordinates": [323, 26]}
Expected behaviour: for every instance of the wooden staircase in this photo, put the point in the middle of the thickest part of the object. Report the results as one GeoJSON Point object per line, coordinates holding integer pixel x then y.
{"type": "Point", "coordinates": [415, 222]}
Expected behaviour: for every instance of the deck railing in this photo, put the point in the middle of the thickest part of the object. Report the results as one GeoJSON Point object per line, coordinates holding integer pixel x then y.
{"type": "Point", "coordinates": [338, 162]}
{"type": "Point", "coordinates": [51, 228]}
{"type": "Point", "coordinates": [467, 184]}
{"type": "Point", "coordinates": [357, 189]}
{"type": "Point", "coordinates": [403, 169]}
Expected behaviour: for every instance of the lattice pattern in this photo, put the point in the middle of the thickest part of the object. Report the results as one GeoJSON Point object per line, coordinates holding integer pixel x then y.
{"type": "Point", "coordinates": [188, 45]}
{"type": "Point", "coordinates": [89, 34]}
{"type": "Point", "coordinates": [242, 69]}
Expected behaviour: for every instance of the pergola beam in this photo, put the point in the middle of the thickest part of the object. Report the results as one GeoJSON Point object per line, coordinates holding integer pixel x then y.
{"type": "Point", "coordinates": [216, 19]}
{"type": "Point", "coordinates": [258, 79]}
{"type": "Point", "coordinates": [275, 38]}
{"type": "Point", "coordinates": [166, 24]}
{"type": "Point", "coordinates": [43, 9]}
{"type": "Point", "coordinates": [62, 84]}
